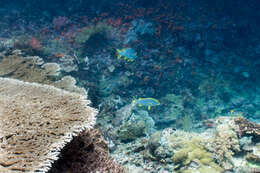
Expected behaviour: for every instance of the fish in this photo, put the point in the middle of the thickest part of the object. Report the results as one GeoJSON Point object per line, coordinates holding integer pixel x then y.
{"type": "Point", "coordinates": [59, 55]}
{"type": "Point", "coordinates": [149, 102]}
{"type": "Point", "coordinates": [127, 54]}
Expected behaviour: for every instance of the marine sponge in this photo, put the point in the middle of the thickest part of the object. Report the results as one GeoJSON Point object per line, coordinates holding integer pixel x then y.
{"type": "Point", "coordinates": [36, 122]}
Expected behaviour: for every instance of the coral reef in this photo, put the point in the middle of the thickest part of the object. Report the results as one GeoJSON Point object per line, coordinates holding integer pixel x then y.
{"type": "Point", "coordinates": [247, 128]}
{"type": "Point", "coordinates": [225, 142]}
{"type": "Point", "coordinates": [199, 59]}
{"type": "Point", "coordinates": [192, 151]}
{"type": "Point", "coordinates": [131, 123]}
{"type": "Point", "coordinates": [33, 69]}
{"type": "Point", "coordinates": [86, 153]}
{"type": "Point", "coordinates": [221, 144]}
{"type": "Point", "coordinates": [36, 122]}
{"type": "Point", "coordinates": [230, 144]}
{"type": "Point", "coordinates": [131, 130]}
{"type": "Point", "coordinates": [68, 64]}
{"type": "Point", "coordinates": [60, 21]}
{"type": "Point", "coordinates": [69, 83]}
{"type": "Point", "coordinates": [25, 69]}
{"type": "Point", "coordinates": [55, 47]}
{"type": "Point", "coordinates": [122, 114]}
{"type": "Point", "coordinates": [52, 69]}
{"type": "Point", "coordinates": [138, 28]}
{"type": "Point", "coordinates": [87, 32]}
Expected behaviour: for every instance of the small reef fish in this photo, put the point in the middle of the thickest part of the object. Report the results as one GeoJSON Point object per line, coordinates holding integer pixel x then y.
{"type": "Point", "coordinates": [232, 112]}
{"type": "Point", "coordinates": [147, 102]}
{"type": "Point", "coordinates": [127, 54]}
{"type": "Point", "coordinates": [59, 55]}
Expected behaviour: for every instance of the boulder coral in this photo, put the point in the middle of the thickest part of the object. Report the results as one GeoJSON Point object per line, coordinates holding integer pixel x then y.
{"type": "Point", "coordinates": [192, 151]}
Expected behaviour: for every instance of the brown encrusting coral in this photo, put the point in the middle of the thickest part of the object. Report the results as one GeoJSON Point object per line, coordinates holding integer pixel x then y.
{"type": "Point", "coordinates": [247, 128]}
{"type": "Point", "coordinates": [37, 121]}
{"type": "Point", "coordinates": [86, 153]}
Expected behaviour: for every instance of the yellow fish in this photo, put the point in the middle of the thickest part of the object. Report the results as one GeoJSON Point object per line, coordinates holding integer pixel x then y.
{"type": "Point", "coordinates": [147, 102]}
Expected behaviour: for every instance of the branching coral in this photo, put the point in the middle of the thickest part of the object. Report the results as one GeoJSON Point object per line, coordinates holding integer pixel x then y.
{"type": "Point", "coordinates": [225, 143]}
{"type": "Point", "coordinates": [36, 122]}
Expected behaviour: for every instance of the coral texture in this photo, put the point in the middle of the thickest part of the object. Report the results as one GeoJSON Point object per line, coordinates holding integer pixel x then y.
{"type": "Point", "coordinates": [86, 153]}
{"type": "Point", "coordinates": [52, 69]}
{"type": "Point", "coordinates": [24, 69]}
{"type": "Point", "coordinates": [247, 128]}
{"type": "Point", "coordinates": [68, 83]}
{"type": "Point", "coordinates": [36, 123]}
{"type": "Point", "coordinates": [33, 69]}
{"type": "Point", "coordinates": [68, 64]}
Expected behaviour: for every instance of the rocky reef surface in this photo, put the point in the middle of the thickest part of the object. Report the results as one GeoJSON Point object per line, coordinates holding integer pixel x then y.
{"type": "Point", "coordinates": [230, 144]}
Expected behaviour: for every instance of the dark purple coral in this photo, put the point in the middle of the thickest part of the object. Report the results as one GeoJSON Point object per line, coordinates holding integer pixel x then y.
{"type": "Point", "coordinates": [86, 153]}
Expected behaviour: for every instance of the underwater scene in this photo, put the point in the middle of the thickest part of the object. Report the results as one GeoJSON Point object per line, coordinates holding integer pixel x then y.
{"type": "Point", "coordinates": [176, 83]}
